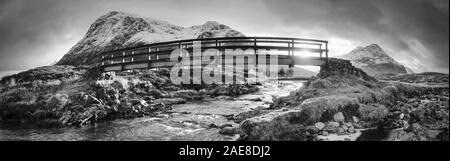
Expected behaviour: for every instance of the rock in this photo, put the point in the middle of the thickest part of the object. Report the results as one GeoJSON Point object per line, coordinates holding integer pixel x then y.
{"type": "Point", "coordinates": [249, 114]}
{"type": "Point", "coordinates": [212, 126]}
{"type": "Point", "coordinates": [325, 133]}
{"type": "Point", "coordinates": [312, 130]}
{"type": "Point", "coordinates": [322, 108]}
{"type": "Point", "coordinates": [351, 130]}
{"type": "Point", "coordinates": [401, 116]}
{"type": "Point", "coordinates": [332, 127]}
{"type": "Point", "coordinates": [355, 119]}
{"type": "Point", "coordinates": [341, 131]}
{"type": "Point", "coordinates": [256, 99]}
{"type": "Point", "coordinates": [229, 131]}
{"type": "Point", "coordinates": [339, 117]}
{"type": "Point", "coordinates": [347, 139]}
{"type": "Point", "coordinates": [319, 125]}
{"type": "Point", "coordinates": [357, 126]}
{"type": "Point", "coordinates": [277, 125]}
{"type": "Point", "coordinates": [333, 124]}
{"type": "Point", "coordinates": [345, 128]}
{"type": "Point", "coordinates": [348, 124]}
{"type": "Point", "coordinates": [225, 125]}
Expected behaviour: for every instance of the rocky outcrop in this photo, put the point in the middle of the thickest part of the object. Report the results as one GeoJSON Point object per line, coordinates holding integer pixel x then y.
{"type": "Point", "coordinates": [343, 98]}
{"type": "Point", "coordinates": [117, 30]}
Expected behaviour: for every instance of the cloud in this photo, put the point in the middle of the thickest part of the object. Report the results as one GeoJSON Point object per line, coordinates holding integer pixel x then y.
{"type": "Point", "coordinates": [36, 33]}
{"type": "Point", "coordinates": [392, 24]}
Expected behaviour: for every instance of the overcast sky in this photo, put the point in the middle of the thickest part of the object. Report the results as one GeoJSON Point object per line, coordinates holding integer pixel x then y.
{"type": "Point", "coordinates": [415, 32]}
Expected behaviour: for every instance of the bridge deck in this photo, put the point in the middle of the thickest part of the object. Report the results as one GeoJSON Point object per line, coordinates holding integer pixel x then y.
{"type": "Point", "coordinates": [157, 55]}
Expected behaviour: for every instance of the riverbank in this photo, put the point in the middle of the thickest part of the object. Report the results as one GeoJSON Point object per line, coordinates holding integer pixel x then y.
{"type": "Point", "coordinates": [341, 103]}
{"type": "Point", "coordinates": [69, 96]}
{"type": "Point", "coordinates": [343, 100]}
{"type": "Point", "coordinates": [209, 119]}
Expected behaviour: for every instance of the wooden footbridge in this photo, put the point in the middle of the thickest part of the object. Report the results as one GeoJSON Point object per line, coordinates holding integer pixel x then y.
{"type": "Point", "coordinates": [290, 51]}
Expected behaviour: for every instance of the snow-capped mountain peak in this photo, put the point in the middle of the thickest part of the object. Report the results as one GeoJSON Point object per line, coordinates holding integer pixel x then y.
{"type": "Point", "coordinates": [116, 30]}
{"type": "Point", "coordinates": [374, 60]}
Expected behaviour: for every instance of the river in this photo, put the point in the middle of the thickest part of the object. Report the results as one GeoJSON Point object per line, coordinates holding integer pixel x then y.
{"type": "Point", "coordinates": [189, 122]}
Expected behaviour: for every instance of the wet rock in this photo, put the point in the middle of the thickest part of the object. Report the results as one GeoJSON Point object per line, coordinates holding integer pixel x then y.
{"type": "Point", "coordinates": [225, 125]}
{"type": "Point", "coordinates": [333, 124]}
{"type": "Point", "coordinates": [320, 125]}
{"type": "Point", "coordinates": [341, 131]}
{"type": "Point", "coordinates": [332, 127]}
{"type": "Point", "coordinates": [339, 117]}
{"type": "Point", "coordinates": [401, 116]}
{"type": "Point", "coordinates": [312, 130]}
{"type": "Point", "coordinates": [351, 130]}
{"type": "Point", "coordinates": [277, 125]}
{"type": "Point", "coordinates": [229, 130]}
{"type": "Point", "coordinates": [323, 108]}
{"type": "Point", "coordinates": [213, 126]}
{"type": "Point", "coordinates": [249, 114]}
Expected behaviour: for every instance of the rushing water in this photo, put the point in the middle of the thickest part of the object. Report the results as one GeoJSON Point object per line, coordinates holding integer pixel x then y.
{"type": "Point", "coordinates": [190, 121]}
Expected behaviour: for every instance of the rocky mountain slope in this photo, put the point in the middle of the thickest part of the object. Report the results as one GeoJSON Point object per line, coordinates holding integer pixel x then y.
{"type": "Point", "coordinates": [118, 30]}
{"type": "Point", "coordinates": [374, 61]}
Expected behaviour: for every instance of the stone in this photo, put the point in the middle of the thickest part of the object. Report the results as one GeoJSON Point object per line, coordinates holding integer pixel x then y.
{"type": "Point", "coordinates": [332, 127]}
{"type": "Point", "coordinates": [276, 125]}
{"type": "Point", "coordinates": [312, 130]}
{"type": "Point", "coordinates": [345, 128]}
{"type": "Point", "coordinates": [402, 116]}
{"type": "Point", "coordinates": [339, 117]}
{"type": "Point", "coordinates": [333, 124]}
{"type": "Point", "coordinates": [348, 124]}
{"type": "Point", "coordinates": [341, 131]}
{"type": "Point", "coordinates": [355, 119]}
{"type": "Point", "coordinates": [225, 125]}
{"type": "Point", "coordinates": [351, 130]}
{"type": "Point", "coordinates": [325, 133]}
{"type": "Point", "coordinates": [228, 131]}
{"type": "Point", "coordinates": [319, 125]}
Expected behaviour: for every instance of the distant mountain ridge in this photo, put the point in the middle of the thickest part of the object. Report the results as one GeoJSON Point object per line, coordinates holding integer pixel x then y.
{"type": "Point", "coordinates": [374, 61]}
{"type": "Point", "coordinates": [119, 30]}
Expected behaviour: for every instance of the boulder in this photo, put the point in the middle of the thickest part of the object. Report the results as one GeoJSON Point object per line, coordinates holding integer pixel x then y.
{"type": "Point", "coordinates": [277, 125]}
{"type": "Point", "coordinates": [319, 125]}
{"type": "Point", "coordinates": [229, 130]}
{"type": "Point", "coordinates": [339, 117]}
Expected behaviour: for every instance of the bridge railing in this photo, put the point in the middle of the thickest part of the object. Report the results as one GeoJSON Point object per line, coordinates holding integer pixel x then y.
{"type": "Point", "coordinates": [160, 52]}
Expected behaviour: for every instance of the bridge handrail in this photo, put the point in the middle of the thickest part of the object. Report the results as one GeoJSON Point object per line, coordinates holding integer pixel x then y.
{"type": "Point", "coordinates": [121, 56]}
{"type": "Point", "coordinates": [250, 39]}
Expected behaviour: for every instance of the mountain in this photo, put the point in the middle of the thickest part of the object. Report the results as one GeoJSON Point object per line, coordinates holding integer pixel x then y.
{"type": "Point", "coordinates": [117, 30]}
{"type": "Point", "coordinates": [374, 61]}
